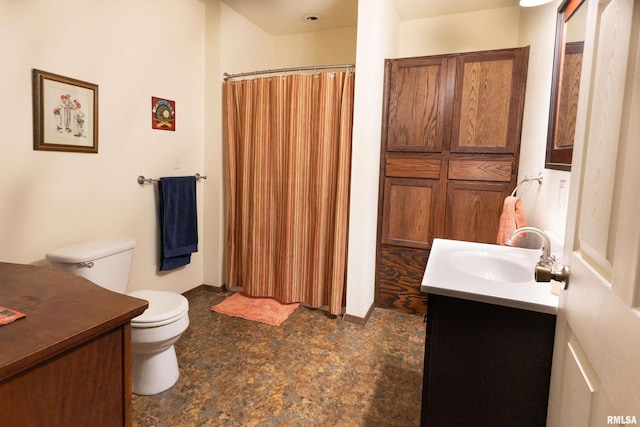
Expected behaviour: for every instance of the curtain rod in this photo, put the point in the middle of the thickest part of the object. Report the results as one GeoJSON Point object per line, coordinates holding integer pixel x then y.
{"type": "Point", "coordinates": [228, 76]}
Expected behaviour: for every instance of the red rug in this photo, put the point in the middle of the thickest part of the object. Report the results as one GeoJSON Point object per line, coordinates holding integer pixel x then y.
{"type": "Point", "coordinates": [265, 310]}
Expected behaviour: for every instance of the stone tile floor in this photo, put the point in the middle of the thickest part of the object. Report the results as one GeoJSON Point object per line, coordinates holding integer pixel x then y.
{"type": "Point", "coordinates": [313, 370]}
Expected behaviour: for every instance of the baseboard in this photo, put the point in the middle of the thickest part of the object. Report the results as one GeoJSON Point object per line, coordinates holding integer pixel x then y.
{"type": "Point", "coordinates": [359, 320]}
{"type": "Point", "coordinates": [205, 288]}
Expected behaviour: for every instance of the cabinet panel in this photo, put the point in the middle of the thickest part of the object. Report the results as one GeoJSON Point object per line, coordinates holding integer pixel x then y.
{"type": "Point", "coordinates": [489, 101]}
{"type": "Point", "coordinates": [417, 90]}
{"type": "Point", "coordinates": [83, 387]}
{"type": "Point", "coordinates": [481, 170]}
{"type": "Point", "coordinates": [473, 210]}
{"type": "Point", "coordinates": [408, 166]}
{"type": "Point", "coordinates": [399, 277]}
{"type": "Point", "coordinates": [485, 364]}
{"type": "Point", "coordinates": [409, 211]}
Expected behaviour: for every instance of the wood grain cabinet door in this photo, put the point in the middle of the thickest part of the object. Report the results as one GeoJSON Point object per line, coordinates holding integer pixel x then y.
{"type": "Point", "coordinates": [473, 210]}
{"type": "Point", "coordinates": [409, 212]}
{"type": "Point", "coordinates": [451, 138]}
{"type": "Point", "coordinates": [476, 189]}
{"type": "Point", "coordinates": [412, 217]}
{"type": "Point", "coordinates": [416, 109]}
{"type": "Point", "coordinates": [489, 101]}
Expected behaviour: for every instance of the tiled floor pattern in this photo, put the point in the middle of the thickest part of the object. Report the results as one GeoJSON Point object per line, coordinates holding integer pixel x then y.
{"type": "Point", "coordinates": [313, 370]}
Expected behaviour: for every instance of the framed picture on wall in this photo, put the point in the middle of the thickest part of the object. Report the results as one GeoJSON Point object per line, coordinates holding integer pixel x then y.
{"type": "Point", "coordinates": [65, 113]}
{"type": "Point", "coordinates": [163, 114]}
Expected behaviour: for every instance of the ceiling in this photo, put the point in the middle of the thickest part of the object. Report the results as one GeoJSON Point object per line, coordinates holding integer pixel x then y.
{"type": "Point", "coordinates": [280, 17]}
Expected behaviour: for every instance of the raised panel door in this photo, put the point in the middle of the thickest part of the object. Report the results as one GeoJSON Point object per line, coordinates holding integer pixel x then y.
{"type": "Point", "coordinates": [409, 212]}
{"type": "Point", "coordinates": [489, 101]}
{"type": "Point", "coordinates": [595, 377]}
{"type": "Point", "coordinates": [416, 110]}
{"type": "Point", "coordinates": [473, 210]}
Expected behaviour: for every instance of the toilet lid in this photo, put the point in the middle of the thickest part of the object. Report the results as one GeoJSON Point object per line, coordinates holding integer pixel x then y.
{"type": "Point", "coordinates": [162, 306]}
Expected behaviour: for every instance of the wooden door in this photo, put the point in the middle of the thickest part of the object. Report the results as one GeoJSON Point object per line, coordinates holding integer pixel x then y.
{"type": "Point", "coordinates": [596, 368]}
{"type": "Point", "coordinates": [412, 218]}
{"type": "Point", "coordinates": [472, 209]}
{"type": "Point", "coordinates": [410, 212]}
{"type": "Point", "coordinates": [489, 100]}
{"type": "Point", "coordinates": [432, 185]}
{"type": "Point", "coordinates": [416, 111]}
{"type": "Point", "coordinates": [476, 191]}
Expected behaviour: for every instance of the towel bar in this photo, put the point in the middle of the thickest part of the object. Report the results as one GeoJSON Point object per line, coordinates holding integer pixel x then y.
{"type": "Point", "coordinates": [528, 180]}
{"type": "Point", "coordinates": [142, 180]}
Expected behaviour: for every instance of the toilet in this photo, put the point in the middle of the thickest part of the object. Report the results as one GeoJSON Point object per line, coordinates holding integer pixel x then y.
{"type": "Point", "coordinates": [107, 263]}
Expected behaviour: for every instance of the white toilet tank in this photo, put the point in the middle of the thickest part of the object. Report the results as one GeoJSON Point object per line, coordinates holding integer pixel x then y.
{"type": "Point", "coordinates": [105, 262]}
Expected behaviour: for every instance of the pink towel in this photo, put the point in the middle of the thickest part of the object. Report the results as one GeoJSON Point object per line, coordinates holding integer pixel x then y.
{"type": "Point", "coordinates": [511, 219]}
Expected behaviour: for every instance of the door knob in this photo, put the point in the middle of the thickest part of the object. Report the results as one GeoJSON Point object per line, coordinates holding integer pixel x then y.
{"type": "Point", "coordinates": [546, 274]}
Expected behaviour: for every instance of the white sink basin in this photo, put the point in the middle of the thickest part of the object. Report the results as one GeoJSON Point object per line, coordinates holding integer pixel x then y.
{"type": "Point", "coordinates": [491, 266]}
{"type": "Point", "coordinates": [487, 273]}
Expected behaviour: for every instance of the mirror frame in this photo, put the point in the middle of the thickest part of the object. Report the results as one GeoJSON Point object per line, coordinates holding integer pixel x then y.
{"type": "Point", "coordinates": [559, 158]}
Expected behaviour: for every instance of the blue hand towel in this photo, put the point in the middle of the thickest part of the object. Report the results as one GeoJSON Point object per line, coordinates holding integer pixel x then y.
{"type": "Point", "coordinates": [178, 221]}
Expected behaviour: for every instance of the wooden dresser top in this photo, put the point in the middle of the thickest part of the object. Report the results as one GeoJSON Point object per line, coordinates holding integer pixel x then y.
{"type": "Point", "coordinates": [62, 311]}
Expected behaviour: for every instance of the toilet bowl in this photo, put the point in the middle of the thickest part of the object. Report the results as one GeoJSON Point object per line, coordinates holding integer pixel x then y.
{"type": "Point", "coordinates": [107, 263]}
{"type": "Point", "coordinates": [153, 333]}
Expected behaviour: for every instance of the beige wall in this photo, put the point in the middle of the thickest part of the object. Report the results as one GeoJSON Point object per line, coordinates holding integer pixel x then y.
{"type": "Point", "coordinates": [377, 40]}
{"type": "Point", "coordinates": [546, 204]}
{"type": "Point", "coordinates": [244, 46]}
{"type": "Point", "coordinates": [214, 192]}
{"type": "Point", "coordinates": [328, 47]}
{"type": "Point", "coordinates": [463, 32]}
{"type": "Point", "coordinates": [133, 51]}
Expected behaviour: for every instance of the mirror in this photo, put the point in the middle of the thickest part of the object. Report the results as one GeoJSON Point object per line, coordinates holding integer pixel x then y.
{"type": "Point", "coordinates": [565, 86]}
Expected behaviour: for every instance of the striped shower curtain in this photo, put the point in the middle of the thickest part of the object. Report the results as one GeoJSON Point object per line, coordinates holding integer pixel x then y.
{"type": "Point", "coordinates": [288, 141]}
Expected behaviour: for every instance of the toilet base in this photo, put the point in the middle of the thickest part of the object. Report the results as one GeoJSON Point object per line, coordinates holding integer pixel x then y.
{"type": "Point", "coordinates": [154, 373]}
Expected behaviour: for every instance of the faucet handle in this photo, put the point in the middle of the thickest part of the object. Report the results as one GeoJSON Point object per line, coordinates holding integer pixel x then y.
{"type": "Point", "coordinates": [547, 260]}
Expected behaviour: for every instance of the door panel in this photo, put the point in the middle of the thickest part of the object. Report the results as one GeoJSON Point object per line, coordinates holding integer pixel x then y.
{"type": "Point", "coordinates": [489, 102]}
{"type": "Point", "coordinates": [416, 108]}
{"type": "Point", "coordinates": [599, 310]}
{"type": "Point", "coordinates": [473, 210]}
{"type": "Point", "coordinates": [481, 170]}
{"type": "Point", "coordinates": [410, 206]}
{"type": "Point", "coordinates": [410, 166]}
{"type": "Point", "coordinates": [581, 384]}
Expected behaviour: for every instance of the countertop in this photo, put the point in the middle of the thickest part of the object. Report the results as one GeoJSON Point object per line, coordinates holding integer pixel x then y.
{"type": "Point", "coordinates": [62, 310]}
{"type": "Point", "coordinates": [441, 277]}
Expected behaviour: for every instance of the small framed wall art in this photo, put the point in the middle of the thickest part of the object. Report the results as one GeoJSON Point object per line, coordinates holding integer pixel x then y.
{"type": "Point", "coordinates": [65, 113]}
{"type": "Point", "coordinates": [163, 114]}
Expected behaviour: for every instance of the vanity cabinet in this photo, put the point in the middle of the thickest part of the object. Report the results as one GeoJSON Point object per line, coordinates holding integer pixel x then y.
{"type": "Point", "coordinates": [450, 146]}
{"type": "Point", "coordinates": [68, 362]}
{"type": "Point", "coordinates": [485, 364]}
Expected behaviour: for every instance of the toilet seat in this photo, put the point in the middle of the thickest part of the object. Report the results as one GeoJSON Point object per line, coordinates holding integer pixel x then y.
{"type": "Point", "coordinates": [164, 308]}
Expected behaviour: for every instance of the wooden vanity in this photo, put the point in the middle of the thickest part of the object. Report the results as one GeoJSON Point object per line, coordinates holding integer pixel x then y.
{"type": "Point", "coordinates": [489, 338]}
{"type": "Point", "coordinates": [485, 364]}
{"type": "Point", "coordinates": [68, 362]}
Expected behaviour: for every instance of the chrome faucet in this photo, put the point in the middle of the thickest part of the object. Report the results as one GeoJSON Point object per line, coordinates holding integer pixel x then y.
{"type": "Point", "coordinates": [546, 259]}
{"type": "Point", "coordinates": [544, 269]}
